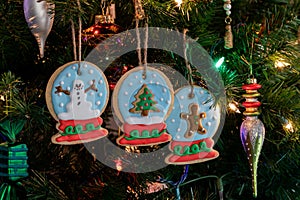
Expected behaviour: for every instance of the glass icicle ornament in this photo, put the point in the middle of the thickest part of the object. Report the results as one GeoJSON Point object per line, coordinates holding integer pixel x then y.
{"type": "Point", "coordinates": [252, 131]}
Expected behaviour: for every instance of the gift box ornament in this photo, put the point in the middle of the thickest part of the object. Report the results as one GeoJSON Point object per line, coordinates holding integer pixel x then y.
{"type": "Point", "coordinates": [141, 101]}
{"type": "Point", "coordinates": [13, 162]}
{"type": "Point", "coordinates": [192, 123]}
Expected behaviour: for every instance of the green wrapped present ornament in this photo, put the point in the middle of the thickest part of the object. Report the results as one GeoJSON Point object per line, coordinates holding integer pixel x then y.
{"type": "Point", "coordinates": [13, 159]}
{"type": "Point", "coordinates": [13, 162]}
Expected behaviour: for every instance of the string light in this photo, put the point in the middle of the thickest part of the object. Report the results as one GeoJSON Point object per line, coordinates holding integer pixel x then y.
{"type": "Point", "coordinates": [179, 2]}
{"type": "Point", "coordinates": [288, 126]}
{"type": "Point", "coordinates": [119, 166]}
{"type": "Point", "coordinates": [220, 62]}
{"type": "Point", "coordinates": [233, 106]}
{"type": "Point", "coordinates": [279, 64]}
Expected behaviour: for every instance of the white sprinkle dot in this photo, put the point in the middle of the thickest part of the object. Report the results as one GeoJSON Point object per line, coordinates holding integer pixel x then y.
{"type": "Point", "coordinates": [68, 88]}
{"type": "Point", "coordinates": [201, 92]}
{"type": "Point", "coordinates": [178, 137]}
{"type": "Point", "coordinates": [164, 90]}
{"type": "Point", "coordinates": [59, 94]}
{"type": "Point", "coordinates": [208, 123]}
{"type": "Point", "coordinates": [61, 82]}
{"type": "Point", "coordinates": [130, 84]}
{"type": "Point", "coordinates": [173, 120]}
{"type": "Point", "coordinates": [178, 129]}
{"type": "Point", "coordinates": [126, 93]}
{"type": "Point", "coordinates": [153, 75]}
{"type": "Point", "coordinates": [68, 74]}
{"type": "Point", "coordinates": [169, 101]}
{"type": "Point", "coordinates": [157, 83]}
{"type": "Point", "coordinates": [91, 82]}
{"type": "Point", "coordinates": [101, 81]}
{"type": "Point", "coordinates": [181, 106]}
{"type": "Point", "coordinates": [85, 65]}
{"type": "Point", "coordinates": [151, 82]}
{"type": "Point", "coordinates": [136, 77]}
{"type": "Point", "coordinates": [181, 97]}
{"type": "Point", "coordinates": [61, 105]}
{"type": "Point", "coordinates": [91, 71]}
{"type": "Point", "coordinates": [91, 93]}
{"type": "Point", "coordinates": [106, 58]}
{"type": "Point", "coordinates": [100, 94]}
{"type": "Point", "coordinates": [161, 99]}
{"type": "Point", "coordinates": [73, 67]}
{"type": "Point", "coordinates": [141, 81]}
{"type": "Point", "coordinates": [125, 104]}
{"type": "Point", "coordinates": [98, 103]}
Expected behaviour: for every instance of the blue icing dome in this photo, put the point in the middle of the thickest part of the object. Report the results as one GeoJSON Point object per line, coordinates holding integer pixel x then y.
{"type": "Point", "coordinates": [178, 126]}
{"type": "Point", "coordinates": [68, 77]}
{"type": "Point", "coordinates": [128, 87]}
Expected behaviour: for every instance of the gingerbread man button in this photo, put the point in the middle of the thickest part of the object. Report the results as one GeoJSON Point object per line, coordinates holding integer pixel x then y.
{"type": "Point", "coordinates": [194, 121]}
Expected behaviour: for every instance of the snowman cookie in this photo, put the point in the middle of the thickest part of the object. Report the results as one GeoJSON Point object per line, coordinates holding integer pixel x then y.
{"type": "Point", "coordinates": [192, 123]}
{"type": "Point", "coordinates": [76, 95]}
{"type": "Point", "coordinates": [141, 102]}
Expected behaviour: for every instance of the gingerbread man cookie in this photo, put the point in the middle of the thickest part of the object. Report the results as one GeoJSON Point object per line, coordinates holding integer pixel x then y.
{"type": "Point", "coordinates": [194, 121]}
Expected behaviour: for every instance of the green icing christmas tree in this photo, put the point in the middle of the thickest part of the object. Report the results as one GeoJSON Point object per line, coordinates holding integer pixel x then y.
{"type": "Point", "coordinates": [144, 102]}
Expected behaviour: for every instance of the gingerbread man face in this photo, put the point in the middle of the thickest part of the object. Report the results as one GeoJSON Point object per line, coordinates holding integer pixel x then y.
{"type": "Point", "coordinates": [194, 121]}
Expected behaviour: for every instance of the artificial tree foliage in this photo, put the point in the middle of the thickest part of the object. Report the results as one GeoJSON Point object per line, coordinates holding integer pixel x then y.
{"type": "Point", "coordinates": [263, 31]}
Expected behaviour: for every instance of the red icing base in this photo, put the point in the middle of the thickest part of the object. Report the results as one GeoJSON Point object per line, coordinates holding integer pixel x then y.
{"type": "Point", "coordinates": [87, 136]}
{"type": "Point", "coordinates": [165, 137]}
{"type": "Point", "coordinates": [194, 158]}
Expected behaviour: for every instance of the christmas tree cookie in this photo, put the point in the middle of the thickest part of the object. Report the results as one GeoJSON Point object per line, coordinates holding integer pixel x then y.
{"type": "Point", "coordinates": [192, 123]}
{"type": "Point", "coordinates": [141, 102]}
{"type": "Point", "coordinates": [76, 95]}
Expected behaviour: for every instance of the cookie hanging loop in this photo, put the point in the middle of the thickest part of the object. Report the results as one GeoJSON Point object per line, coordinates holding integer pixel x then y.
{"type": "Point", "coordinates": [187, 64]}
{"type": "Point", "coordinates": [79, 39]}
{"type": "Point", "coordinates": [140, 15]}
{"type": "Point", "coordinates": [145, 50]}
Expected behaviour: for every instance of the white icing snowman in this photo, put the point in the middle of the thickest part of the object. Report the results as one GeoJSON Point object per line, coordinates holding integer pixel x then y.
{"type": "Point", "coordinates": [79, 108]}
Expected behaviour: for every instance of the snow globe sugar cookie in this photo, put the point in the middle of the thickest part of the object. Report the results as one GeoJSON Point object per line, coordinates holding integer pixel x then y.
{"type": "Point", "coordinates": [141, 101]}
{"type": "Point", "coordinates": [76, 95]}
{"type": "Point", "coordinates": [192, 123]}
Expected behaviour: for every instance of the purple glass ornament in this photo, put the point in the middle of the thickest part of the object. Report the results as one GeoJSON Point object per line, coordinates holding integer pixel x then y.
{"type": "Point", "coordinates": [252, 133]}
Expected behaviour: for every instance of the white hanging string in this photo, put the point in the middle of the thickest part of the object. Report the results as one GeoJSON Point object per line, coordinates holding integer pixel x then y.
{"type": "Point", "coordinates": [79, 32]}
{"type": "Point", "coordinates": [79, 39]}
{"type": "Point", "coordinates": [187, 64]}
{"type": "Point", "coordinates": [73, 39]}
{"type": "Point", "coordinates": [145, 50]}
{"type": "Point", "coordinates": [139, 14]}
{"type": "Point", "coordinates": [138, 38]}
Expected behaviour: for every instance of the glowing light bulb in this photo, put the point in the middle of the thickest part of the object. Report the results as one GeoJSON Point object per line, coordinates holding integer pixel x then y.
{"type": "Point", "coordinates": [289, 126]}
{"type": "Point", "coordinates": [179, 2]}
{"type": "Point", "coordinates": [233, 107]}
{"type": "Point", "coordinates": [119, 166]}
{"type": "Point", "coordinates": [220, 62]}
{"type": "Point", "coordinates": [281, 64]}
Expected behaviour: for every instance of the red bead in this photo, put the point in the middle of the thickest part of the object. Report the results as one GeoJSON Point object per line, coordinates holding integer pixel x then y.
{"type": "Point", "coordinates": [251, 104]}
{"type": "Point", "coordinates": [253, 86]}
